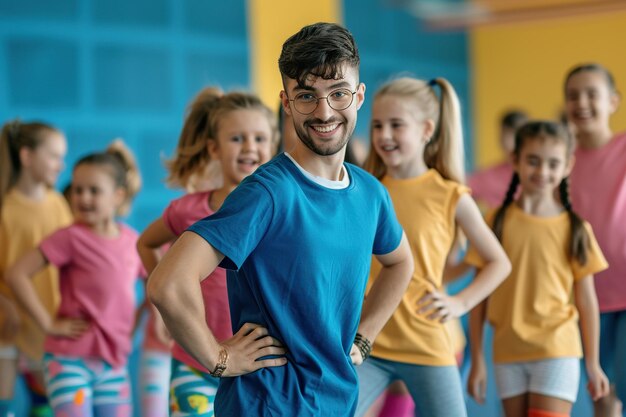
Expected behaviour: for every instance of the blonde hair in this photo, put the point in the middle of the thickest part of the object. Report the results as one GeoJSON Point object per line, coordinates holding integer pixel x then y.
{"type": "Point", "coordinates": [444, 152]}
{"type": "Point", "coordinates": [15, 136]}
{"type": "Point", "coordinates": [122, 167]}
{"type": "Point", "coordinates": [201, 126]}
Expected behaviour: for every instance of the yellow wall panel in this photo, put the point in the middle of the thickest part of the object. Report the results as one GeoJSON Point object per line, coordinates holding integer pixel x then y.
{"type": "Point", "coordinates": [271, 22]}
{"type": "Point", "coordinates": [523, 65]}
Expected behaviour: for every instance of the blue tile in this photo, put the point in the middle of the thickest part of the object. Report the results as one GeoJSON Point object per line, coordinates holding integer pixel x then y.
{"type": "Point", "coordinates": [42, 72]}
{"type": "Point", "coordinates": [153, 149]}
{"type": "Point", "coordinates": [146, 13]}
{"type": "Point", "coordinates": [133, 78]}
{"type": "Point", "coordinates": [227, 71]}
{"type": "Point", "coordinates": [53, 10]}
{"type": "Point", "coordinates": [219, 18]}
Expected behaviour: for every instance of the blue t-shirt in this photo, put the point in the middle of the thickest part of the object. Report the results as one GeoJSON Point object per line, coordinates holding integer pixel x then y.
{"type": "Point", "coordinates": [302, 255]}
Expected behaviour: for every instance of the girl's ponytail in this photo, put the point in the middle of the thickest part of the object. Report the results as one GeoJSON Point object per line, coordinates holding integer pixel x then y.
{"type": "Point", "coordinates": [132, 177]}
{"type": "Point", "coordinates": [444, 152]}
{"type": "Point", "coordinates": [191, 153]}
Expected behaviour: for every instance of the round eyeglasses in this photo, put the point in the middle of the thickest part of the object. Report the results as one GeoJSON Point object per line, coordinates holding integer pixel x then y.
{"type": "Point", "coordinates": [339, 99]}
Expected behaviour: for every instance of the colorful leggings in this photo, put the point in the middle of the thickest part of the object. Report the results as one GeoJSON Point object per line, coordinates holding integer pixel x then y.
{"type": "Point", "coordinates": [154, 382]}
{"type": "Point", "coordinates": [192, 393]}
{"type": "Point", "coordinates": [80, 387]}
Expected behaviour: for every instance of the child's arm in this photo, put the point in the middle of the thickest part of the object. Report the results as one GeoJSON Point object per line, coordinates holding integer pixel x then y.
{"type": "Point", "coordinates": [477, 379]}
{"type": "Point", "coordinates": [440, 306]}
{"type": "Point", "coordinates": [386, 293]}
{"type": "Point", "coordinates": [11, 324]}
{"type": "Point", "coordinates": [19, 279]}
{"type": "Point", "coordinates": [149, 246]}
{"type": "Point", "coordinates": [150, 241]}
{"type": "Point", "coordinates": [174, 288]}
{"type": "Point", "coordinates": [587, 305]}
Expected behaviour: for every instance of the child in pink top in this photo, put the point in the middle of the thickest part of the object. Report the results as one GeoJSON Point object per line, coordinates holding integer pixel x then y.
{"type": "Point", "coordinates": [193, 170]}
{"type": "Point", "coordinates": [489, 185]}
{"type": "Point", "coordinates": [89, 340]}
{"type": "Point", "coordinates": [239, 132]}
{"type": "Point", "coordinates": [599, 193]}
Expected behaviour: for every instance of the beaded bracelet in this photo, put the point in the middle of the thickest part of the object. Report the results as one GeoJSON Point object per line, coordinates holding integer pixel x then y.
{"type": "Point", "coordinates": [364, 345]}
{"type": "Point", "coordinates": [221, 364]}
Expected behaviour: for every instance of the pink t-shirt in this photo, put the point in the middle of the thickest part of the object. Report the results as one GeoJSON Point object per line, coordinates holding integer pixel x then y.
{"type": "Point", "coordinates": [489, 185]}
{"type": "Point", "coordinates": [97, 277]}
{"type": "Point", "coordinates": [178, 216]}
{"type": "Point", "coordinates": [598, 192]}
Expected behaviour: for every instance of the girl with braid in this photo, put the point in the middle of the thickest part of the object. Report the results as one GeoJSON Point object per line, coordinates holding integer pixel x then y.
{"type": "Point", "coordinates": [536, 313]}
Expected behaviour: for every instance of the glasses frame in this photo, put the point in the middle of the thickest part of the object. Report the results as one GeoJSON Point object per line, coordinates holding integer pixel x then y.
{"type": "Point", "coordinates": [317, 100]}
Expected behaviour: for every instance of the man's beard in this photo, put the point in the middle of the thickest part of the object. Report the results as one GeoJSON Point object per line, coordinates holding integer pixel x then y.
{"type": "Point", "coordinates": [330, 147]}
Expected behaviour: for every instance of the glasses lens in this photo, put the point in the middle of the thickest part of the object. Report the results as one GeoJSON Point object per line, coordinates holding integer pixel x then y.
{"type": "Point", "coordinates": [305, 103]}
{"type": "Point", "coordinates": [340, 99]}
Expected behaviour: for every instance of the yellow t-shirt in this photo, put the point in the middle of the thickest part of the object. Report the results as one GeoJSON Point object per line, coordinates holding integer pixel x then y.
{"type": "Point", "coordinates": [425, 207]}
{"type": "Point", "coordinates": [532, 311]}
{"type": "Point", "coordinates": [24, 223]}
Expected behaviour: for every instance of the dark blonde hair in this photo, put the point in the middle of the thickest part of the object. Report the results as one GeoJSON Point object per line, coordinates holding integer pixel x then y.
{"type": "Point", "coordinates": [542, 130]}
{"type": "Point", "coordinates": [122, 166]}
{"type": "Point", "coordinates": [201, 125]}
{"type": "Point", "coordinates": [444, 152]}
{"type": "Point", "coordinates": [14, 137]}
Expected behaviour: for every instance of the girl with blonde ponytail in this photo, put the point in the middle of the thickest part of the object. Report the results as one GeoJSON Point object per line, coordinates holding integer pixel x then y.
{"type": "Point", "coordinates": [417, 153]}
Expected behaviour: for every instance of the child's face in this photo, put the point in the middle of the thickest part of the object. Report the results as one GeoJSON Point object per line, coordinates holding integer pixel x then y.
{"type": "Point", "coordinates": [244, 142]}
{"type": "Point", "coordinates": [46, 161]}
{"type": "Point", "coordinates": [541, 165]}
{"type": "Point", "coordinates": [94, 197]}
{"type": "Point", "coordinates": [589, 102]}
{"type": "Point", "coordinates": [399, 132]}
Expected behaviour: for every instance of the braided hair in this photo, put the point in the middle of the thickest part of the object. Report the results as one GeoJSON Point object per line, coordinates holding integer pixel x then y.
{"type": "Point", "coordinates": [579, 240]}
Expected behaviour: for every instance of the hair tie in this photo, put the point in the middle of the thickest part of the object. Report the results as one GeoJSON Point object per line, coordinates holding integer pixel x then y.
{"type": "Point", "coordinates": [432, 82]}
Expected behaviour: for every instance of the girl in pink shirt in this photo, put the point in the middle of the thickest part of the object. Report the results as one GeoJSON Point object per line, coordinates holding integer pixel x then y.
{"type": "Point", "coordinates": [241, 133]}
{"type": "Point", "coordinates": [599, 193]}
{"type": "Point", "coordinates": [89, 339]}
{"type": "Point", "coordinates": [191, 169]}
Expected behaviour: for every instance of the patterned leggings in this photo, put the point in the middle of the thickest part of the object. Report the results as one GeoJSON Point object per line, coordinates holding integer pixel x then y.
{"type": "Point", "coordinates": [192, 392]}
{"type": "Point", "coordinates": [80, 387]}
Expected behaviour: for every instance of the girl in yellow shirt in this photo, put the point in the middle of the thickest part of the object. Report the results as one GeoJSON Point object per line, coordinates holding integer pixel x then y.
{"type": "Point", "coordinates": [31, 158]}
{"type": "Point", "coordinates": [417, 153]}
{"type": "Point", "coordinates": [535, 312]}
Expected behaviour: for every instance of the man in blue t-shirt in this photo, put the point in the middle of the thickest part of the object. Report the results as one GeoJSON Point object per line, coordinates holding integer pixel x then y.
{"type": "Point", "coordinates": [297, 237]}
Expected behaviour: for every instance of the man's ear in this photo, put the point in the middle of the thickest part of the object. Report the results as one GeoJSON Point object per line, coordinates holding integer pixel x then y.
{"type": "Point", "coordinates": [360, 95]}
{"type": "Point", "coordinates": [284, 100]}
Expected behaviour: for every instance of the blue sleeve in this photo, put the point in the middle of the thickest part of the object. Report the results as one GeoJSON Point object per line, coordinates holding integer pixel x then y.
{"type": "Point", "coordinates": [388, 231]}
{"type": "Point", "coordinates": [240, 224]}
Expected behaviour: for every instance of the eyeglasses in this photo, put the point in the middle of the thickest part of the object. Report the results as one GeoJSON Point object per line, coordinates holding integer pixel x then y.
{"type": "Point", "coordinates": [339, 99]}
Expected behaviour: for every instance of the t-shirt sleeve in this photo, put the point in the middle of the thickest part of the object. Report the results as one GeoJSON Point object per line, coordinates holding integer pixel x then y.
{"type": "Point", "coordinates": [388, 231]}
{"type": "Point", "coordinates": [57, 248]}
{"type": "Point", "coordinates": [595, 259]}
{"type": "Point", "coordinates": [239, 225]}
{"type": "Point", "coordinates": [173, 218]}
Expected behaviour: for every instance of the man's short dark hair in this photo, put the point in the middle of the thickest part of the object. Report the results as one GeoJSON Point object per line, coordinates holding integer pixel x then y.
{"type": "Point", "coordinates": [321, 50]}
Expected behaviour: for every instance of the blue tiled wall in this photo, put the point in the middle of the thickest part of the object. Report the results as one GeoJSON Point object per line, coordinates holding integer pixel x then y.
{"type": "Point", "coordinates": [101, 69]}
